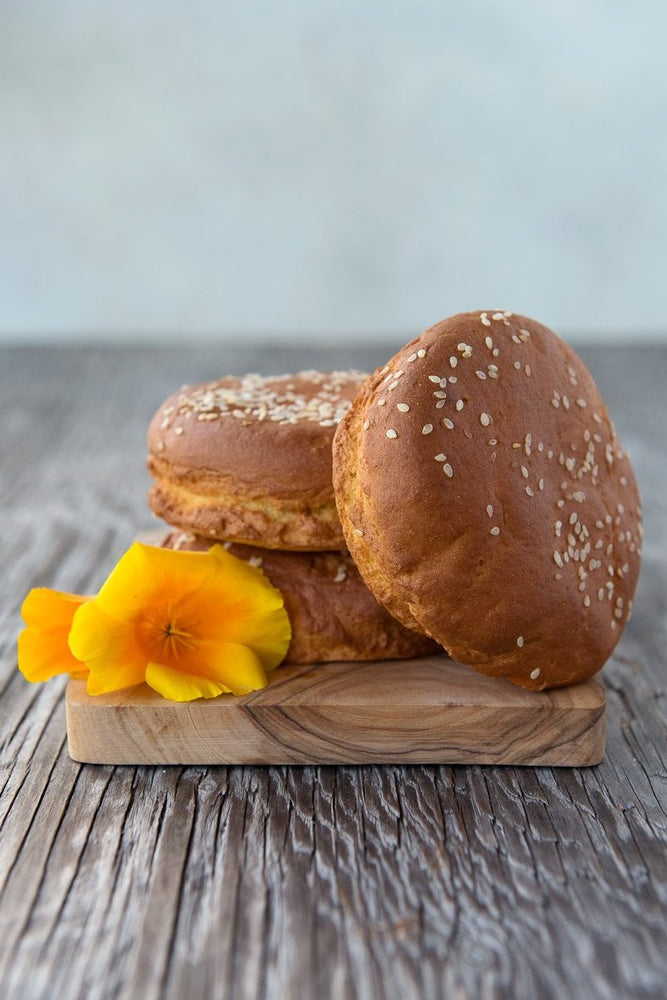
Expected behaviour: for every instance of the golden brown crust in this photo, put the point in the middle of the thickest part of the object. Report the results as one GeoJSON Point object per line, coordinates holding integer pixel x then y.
{"type": "Point", "coordinates": [333, 614]}
{"type": "Point", "coordinates": [486, 500]}
{"type": "Point", "coordinates": [249, 458]}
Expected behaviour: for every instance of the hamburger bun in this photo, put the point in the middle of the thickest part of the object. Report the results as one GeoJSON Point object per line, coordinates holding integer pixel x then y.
{"type": "Point", "coordinates": [487, 501]}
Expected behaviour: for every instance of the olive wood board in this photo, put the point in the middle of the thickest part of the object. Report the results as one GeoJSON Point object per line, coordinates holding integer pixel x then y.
{"type": "Point", "coordinates": [429, 710]}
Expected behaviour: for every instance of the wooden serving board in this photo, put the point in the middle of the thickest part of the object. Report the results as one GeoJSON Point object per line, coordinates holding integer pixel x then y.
{"type": "Point", "coordinates": [426, 710]}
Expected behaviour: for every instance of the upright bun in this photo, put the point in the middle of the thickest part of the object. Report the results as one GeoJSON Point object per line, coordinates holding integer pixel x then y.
{"type": "Point", "coordinates": [249, 459]}
{"type": "Point", "coordinates": [487, 501]}
{"type": "Point", "coordinates": [333, 614]}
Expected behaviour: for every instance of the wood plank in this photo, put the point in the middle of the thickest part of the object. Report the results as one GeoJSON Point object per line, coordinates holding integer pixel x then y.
{"type": "Point", "coordinates": [426, 710]}
{"type": "Point", "coordinates": [360, 883]}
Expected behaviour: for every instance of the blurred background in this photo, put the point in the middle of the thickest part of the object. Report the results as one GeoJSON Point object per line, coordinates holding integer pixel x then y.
{"type": "Point", "coordinates": [329, 169]}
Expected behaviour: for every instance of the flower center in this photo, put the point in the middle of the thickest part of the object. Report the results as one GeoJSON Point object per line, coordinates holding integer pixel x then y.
{"type": "Point", "coordinates": [170, 631]}
{"type": "Point", "coordinates": [167, 640]}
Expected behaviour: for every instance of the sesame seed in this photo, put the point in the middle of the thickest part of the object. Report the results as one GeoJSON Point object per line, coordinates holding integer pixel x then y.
{"type": "Point", "coordinates": [359, 532]}
{"type": "Point", "coordinates": [519, 641]}
{"type": "Point", "coordinates": [381, 402]}
{"type": "Point", "coordinates": [484, 419]}
{"type": "Point", "coordinates": [459, 405]}
{"type": "Point", "coordinates": [528, 370]}
{"type": "Point", "coordinates": [453, 361]}
{"type": "Point", "coordinates": [558, 559]}
{"type": "Point", "coordinates": [392, 386]}
{"type": "Point", "coordinates": [485, 319]}
{"type": "Point", "coordinates": [489, 510]}
{"type": "Point", "coordinates": [366, 425]}
{"type": "Point", "coordinates": [427, 428]}
{"type": "Point", "coordinates": [517, 365]}
{"type": "Point", "coordinates": [439, 394]}
{"type": "Point", "coordinates": [529, 491]}
{"type": "Point", "coordinates": [447, 469]}
{"type": "Point", "coordinates": [440, 457]}
{"type": "Point", "coordinates": [495, 530]}
{"type": "Point", "coordinates": [391, 433]}
{"type": "Point", "coordinates": [587, 601]}
{"type": "Point", "coordinates": [449, 424]}
{"type": "Point", "coordinates": [481, 375]}
{"type": "Point", "coordinates": [412, 357]}
{"type": "Point", "coordinates": [534, 674]}
{"type": "Point", "coordinates": [434, 378]}
{"type": "Point", "coordinates": [524, 472]}
{"type": "Point", "coordinates": [421, 353]}
{"type": "Point", "coordinates": [179, 430]}
{"type": "Point", "coordinates": [489, 342]}
{"type": "Point", "coordinates": [452, 379]}
{"type": "Point", "coordinates": [403, 407]}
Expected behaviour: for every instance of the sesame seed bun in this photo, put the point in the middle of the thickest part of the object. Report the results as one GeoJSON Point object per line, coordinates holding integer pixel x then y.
{"type": "Point", "coordinates": [333, 614]}
{"type": "Point", "coordinates": [487, 501]}
{"type": "Point", "coordinates": [249, 459]}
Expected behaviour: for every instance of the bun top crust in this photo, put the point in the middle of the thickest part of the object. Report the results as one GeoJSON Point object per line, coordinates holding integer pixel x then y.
{"type": "Point", "coordinates": [487, 501]}
{"type": "Point", "coordinates": [269, 435]}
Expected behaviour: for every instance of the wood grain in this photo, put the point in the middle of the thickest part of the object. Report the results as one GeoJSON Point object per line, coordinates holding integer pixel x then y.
{"type": "Point", "coordinates": [351, 883]}
{"type": "Point", "coordinates": [421, 711]}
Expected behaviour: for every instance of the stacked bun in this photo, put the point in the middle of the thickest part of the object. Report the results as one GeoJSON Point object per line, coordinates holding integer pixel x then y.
{"type": "Point", "coordinates": [247, 462]}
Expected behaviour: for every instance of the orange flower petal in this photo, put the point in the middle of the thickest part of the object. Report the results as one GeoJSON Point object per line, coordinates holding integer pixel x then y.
{"type": "Point", "coordinates": [147, 576]}
{"type": "Point", "coordinates": [109, 648]}
{"type": "Point", "coordinates": [239, 605]}
{"type": "Point", "coordinates": [211, 670]}
{"type": "Point", "coordinates": [181, 687]}
{"type": "Point", "coordinates": [42, 646]}
{"type": "Point", "coordinates": [42, 656]}
{"type": "Point", "coordinates": [50, 609]}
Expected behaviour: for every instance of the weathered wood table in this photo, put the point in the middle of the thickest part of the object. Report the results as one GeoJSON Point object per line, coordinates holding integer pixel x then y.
{"type": "Point", "coordinates": [346, 882]}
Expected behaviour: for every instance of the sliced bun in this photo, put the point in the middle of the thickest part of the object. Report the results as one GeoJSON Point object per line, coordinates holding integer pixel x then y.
{"type": "Point", "coordinates": [333, 614]}
{"type": "Point", "coordinates": [249, 459]}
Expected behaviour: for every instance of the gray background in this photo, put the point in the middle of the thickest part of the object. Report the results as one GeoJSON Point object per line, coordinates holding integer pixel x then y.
{"type": "Point", "coordinates": [299, 168]}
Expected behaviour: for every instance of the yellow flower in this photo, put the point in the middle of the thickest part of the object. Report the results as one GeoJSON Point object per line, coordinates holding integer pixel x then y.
{"type": "Point", "coordinates": [189, 624]}
{"type": "Point", "coordinates": [42, 646]}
